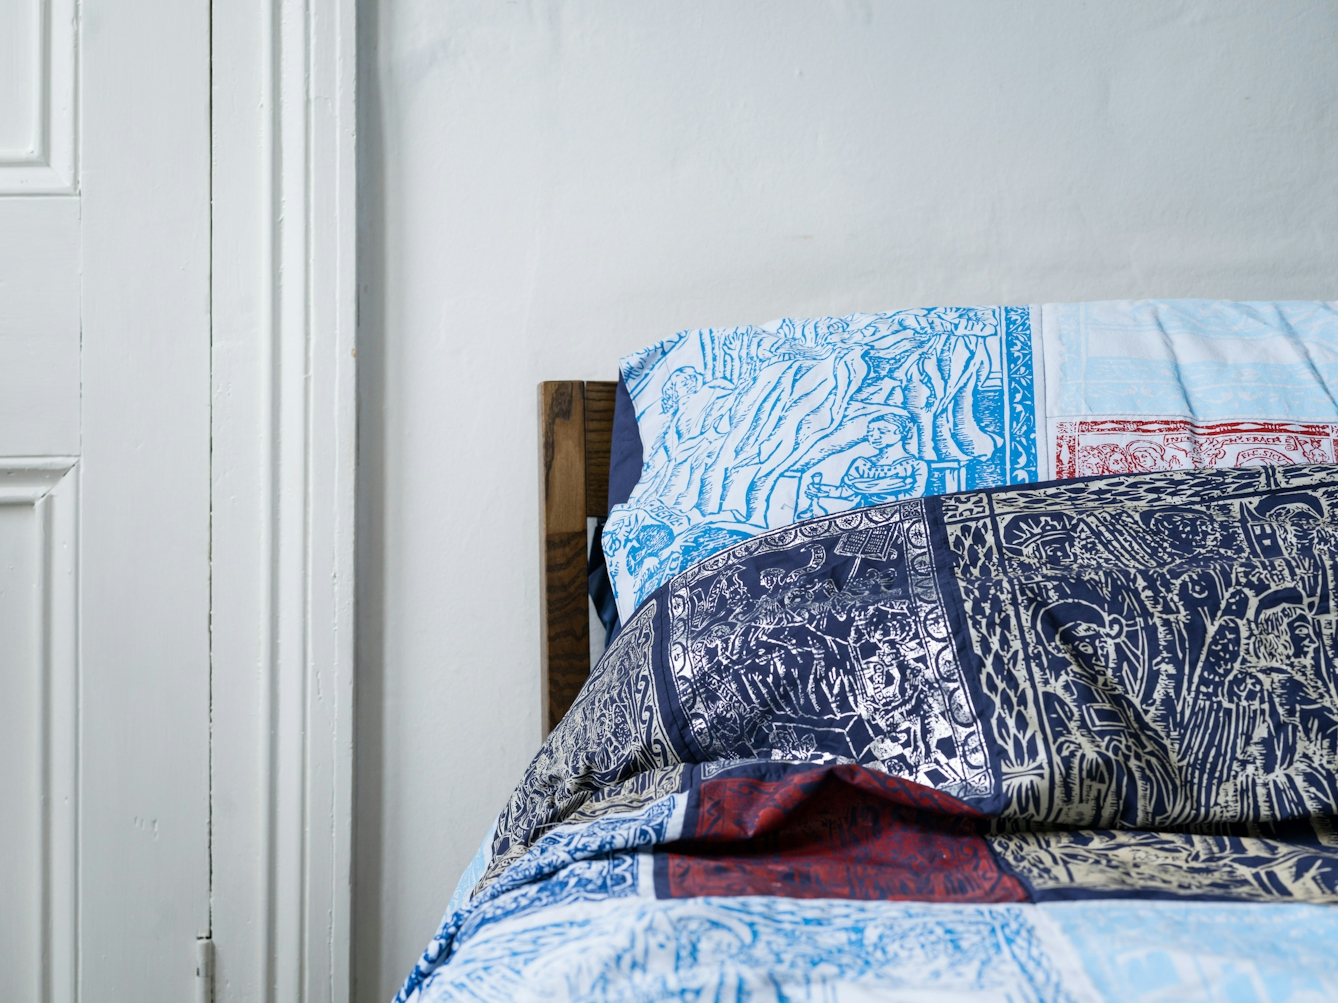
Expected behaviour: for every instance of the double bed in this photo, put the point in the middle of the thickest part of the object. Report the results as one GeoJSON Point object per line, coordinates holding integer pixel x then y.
{"type": "Point", "coordinates": [888, 711]}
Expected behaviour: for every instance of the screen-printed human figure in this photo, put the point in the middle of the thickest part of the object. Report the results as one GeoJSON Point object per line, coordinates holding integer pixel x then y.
{"type": "Point", "coordinates": [895, 471]}
{"type": "Point", "coordinates": [690, 440]}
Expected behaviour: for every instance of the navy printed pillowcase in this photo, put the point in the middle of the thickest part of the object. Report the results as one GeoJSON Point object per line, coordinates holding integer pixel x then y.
{"type": "Point", "coordinates": [624, 471]}
{"type": "Point", "coordinates": [625, 454]}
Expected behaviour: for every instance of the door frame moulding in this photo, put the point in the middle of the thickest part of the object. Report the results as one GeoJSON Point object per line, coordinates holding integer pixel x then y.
{"type": "Point", "coordinates": [284, 453]}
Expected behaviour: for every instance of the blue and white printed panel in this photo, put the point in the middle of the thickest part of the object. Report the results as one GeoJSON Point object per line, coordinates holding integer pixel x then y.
{"type": "Point", "coordinates": [767, 950]}
{"type": "Point", "coordinates": [1141, 952]}
{"type": "Point", "coordinates": [751, 428]}
{"type": "Point", "coordinates": [1135, 386]}
{"type": "Point", "coordinates": [776, 950]}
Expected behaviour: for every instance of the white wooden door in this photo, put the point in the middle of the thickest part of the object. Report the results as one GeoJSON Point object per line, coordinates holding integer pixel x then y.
{"type": "Point", "coordinates": [104, 497]}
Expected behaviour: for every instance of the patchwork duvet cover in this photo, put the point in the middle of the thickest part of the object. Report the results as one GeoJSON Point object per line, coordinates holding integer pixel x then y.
{"type": "Point", "coordinates": [1065, 741]}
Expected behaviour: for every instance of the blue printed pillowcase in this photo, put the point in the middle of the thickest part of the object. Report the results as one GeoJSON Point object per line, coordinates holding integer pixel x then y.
{"type": "Point", "coordinates": [751, 428]}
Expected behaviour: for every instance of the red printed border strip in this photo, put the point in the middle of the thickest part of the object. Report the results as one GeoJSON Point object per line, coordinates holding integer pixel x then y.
{"type": "Point", "coordinates": [1128, 446]}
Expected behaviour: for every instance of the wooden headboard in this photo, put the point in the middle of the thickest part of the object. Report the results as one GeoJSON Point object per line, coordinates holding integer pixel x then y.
{"type": "Point", "coordinates": [575, 431]}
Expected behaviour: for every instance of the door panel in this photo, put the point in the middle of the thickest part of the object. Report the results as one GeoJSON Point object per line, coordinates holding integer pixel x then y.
{"type": "Point", "coordinates": [38, 722]}
{"type": "Point", "coordinates": [21, 752]}
{"type": "Point", "coordinates": [38, 80]}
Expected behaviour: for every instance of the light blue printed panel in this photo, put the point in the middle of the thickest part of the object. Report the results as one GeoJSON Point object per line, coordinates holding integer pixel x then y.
{"type": "Point", "coordinates": [1150, 952]}
{"type": "Point", "coordinates": [576, 863]}
{"type": "Point", "coordinates": [766, 950]}
{"type": "Point", "coordinates": [1202, 359]}
{"type": "Point", "coordinates": [748, 429]}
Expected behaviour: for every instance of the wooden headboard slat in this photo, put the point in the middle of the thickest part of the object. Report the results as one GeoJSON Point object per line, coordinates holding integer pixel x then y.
{"type": "Point", "coordinates": [564, 622]}
{"type": "Point", "coordinates": [575, 432]}
{"type": "Point", "coordinates": [598, 443]}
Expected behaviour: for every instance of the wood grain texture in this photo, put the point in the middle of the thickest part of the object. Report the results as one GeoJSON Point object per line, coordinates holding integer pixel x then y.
{"type": "Point", "coordinates": [564, 616]}
{"type": "Point", "coordinates": [598, 444]}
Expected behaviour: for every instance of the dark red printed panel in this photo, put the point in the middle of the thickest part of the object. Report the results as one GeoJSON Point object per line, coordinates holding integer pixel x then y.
{"type": "Point", "coordinates": [832, 832]}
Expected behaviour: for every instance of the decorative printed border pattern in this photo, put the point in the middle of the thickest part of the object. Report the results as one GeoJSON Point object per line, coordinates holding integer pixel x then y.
{"type": "Point", "coordinates": [1126, 446]}
{"type": "Point", "coordinates": [1020, 397]}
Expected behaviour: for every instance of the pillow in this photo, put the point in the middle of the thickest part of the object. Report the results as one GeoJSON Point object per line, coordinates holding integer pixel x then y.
{"type": "Point", "coordinates": [751, 428]}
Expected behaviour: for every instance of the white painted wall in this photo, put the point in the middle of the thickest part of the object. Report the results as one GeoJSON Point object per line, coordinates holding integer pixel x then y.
{"type": "Point", "coordinates": [549, 185]}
